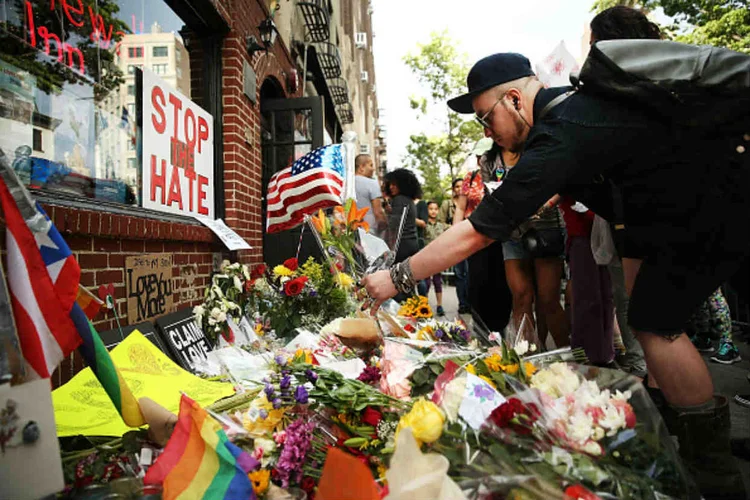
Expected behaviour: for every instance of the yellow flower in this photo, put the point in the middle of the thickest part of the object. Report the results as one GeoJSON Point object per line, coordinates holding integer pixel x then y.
{"type": "Point", "coordinates": [530, 368]}
{"type": "Point", "coordinates": [282, 271]}
{"type": "Point", "coordinates": [471, 369]}
{"type": "Point", "coordinates": [488, 380]}
{"type": "Point", "coordinates": [511, 369]}
{"type": "Point", "coordinates": [426, 421]}
{"type": "Point", "coordinates": [424, 311]}
{"type": "Point", "coordinates": [260, 479]}
{"type": "Point", "coordinates": [425, 333]}
{"type": "Point", "coordinates": [344, 280]}
{"type": "Point", "coordinates": [259, 329]}
{"type": "Point", "coordinates": [494, 363]}
{"type": "Point", "coordinates": [381, 471]}
{"type": "Point", "coordinates": [258, 426]}
{"type": "Point", "coordinates": [304, 355]}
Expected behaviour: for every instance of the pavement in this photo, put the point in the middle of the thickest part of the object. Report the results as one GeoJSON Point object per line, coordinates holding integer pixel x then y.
{"type": "Point", "coordinates": [728, 379]}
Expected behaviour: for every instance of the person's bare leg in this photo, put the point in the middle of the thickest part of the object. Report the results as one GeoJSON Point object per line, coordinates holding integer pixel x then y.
{"type": "Point", "coordinates": [676, 367]}
{"type": "Point", "coordinates": [548, 278]}
{"type": "Point", "coordinates": [518, 276]}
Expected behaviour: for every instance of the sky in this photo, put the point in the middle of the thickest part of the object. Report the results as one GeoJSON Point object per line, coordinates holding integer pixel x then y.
{"type": "Point", "coordinates": [482, 27]}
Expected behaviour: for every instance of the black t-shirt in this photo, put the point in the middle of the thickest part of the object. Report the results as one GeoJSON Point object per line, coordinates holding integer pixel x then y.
{"type": "Point", "coordinates": [586, 140]}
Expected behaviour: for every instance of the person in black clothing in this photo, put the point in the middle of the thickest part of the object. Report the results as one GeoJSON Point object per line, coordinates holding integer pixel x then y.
{"type": "Point", "coordinates": [683, 203]}
{"type": "Point", "coordinates": [403, 188]}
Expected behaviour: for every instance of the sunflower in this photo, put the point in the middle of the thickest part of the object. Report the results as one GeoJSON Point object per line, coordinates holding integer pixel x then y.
{"type": "Point", "coordinates": [529, 368]}
{"type": "Point", "coordinates": [280, 271]}
{"type": "Point", "coordinates": [511, 369]}
{"type": "Point", "coordinates": [260, 480]}
{"type": "Point", "coordinates": [424, 311]}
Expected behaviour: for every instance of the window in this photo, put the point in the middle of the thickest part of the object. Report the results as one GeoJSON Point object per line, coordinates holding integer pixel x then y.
{"type": "Point", "coordinates": [159, 69]}
{"type": "Point", "coordinates": [37, 140]}
{"type": "Point", "coordinates": [161, 51]}
{"type": "Point", "coordinates": [131, 90]}
{"type": "Point", "coordinates": [132, 163]}
{"type": "Point", "coordinates": [135, 52]}
{"type": "Point", "coordinates": [360, 40]}
{"type": "Point", "coordinates": [131, 110]}
{"type": "Point", "coordinates": [131, 144]}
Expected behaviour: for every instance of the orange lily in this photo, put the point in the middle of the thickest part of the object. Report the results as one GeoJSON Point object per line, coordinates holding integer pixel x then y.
{"type": "Point", "coordinates": [319, 221]}
{"type": "Point", "coordinates": [356, 215]}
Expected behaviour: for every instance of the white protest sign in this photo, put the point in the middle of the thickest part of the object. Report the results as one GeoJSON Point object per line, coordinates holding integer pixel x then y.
{"type": "Point", "coordinates": [232, 240]}
{"type": "Point", "coordinates": [178, 151]}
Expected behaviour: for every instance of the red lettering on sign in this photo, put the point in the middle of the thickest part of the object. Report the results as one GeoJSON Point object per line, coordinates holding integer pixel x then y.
{"type": "Point", "coordinates": [175, 191]}
{"type": "Point", "coordinates": [202, 131]}
{"type": "Point", "coordinates": [99, 31]}
{"type": "Point", "coordinates": [190, 174]}
{"type": "Point", "coordinates": [158, 181]}
{"type": "Point", "coordinates": [157, 101]}
{"type": "Point", "coordinates": [202, 183]}
{"type": "Point", "coordinates": [190, 116]}
{"type": "Point", "coordinates": [177, 104]}
{"type": "Point", "coordinates": [70, 10]}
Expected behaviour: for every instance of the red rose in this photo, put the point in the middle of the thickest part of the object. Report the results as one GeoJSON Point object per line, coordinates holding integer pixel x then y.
{"type": "Point", "coordinates": [578, 492]}
{"type": "Point", "coordinates": [502, 415]}
{"type": "Point", "coordinates": [258, 271]}
{"type": "Point", "coordinates": [308, 484]}
{"type": "Point", "coordinates": [294, 287]}
{"type": "Point", "coordinates": [228, 334]}
{"type": "Point", "coordinates": [291, 264]}
{"type": "Point", "coordinates": [371, 417]}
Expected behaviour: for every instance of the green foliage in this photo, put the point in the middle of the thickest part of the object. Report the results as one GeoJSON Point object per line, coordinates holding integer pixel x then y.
{"type": "Point", "coordinates": [721, 23]}
{"type": "Point", "coordinates": [441, 69]}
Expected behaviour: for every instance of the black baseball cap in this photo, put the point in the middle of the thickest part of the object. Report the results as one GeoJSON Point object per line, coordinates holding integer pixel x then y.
{"type": "Point", "coordinates": [489, 72]}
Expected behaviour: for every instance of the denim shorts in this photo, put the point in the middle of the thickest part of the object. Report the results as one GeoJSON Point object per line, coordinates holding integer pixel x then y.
{"type": "Point", "coordinates": [514, 250]}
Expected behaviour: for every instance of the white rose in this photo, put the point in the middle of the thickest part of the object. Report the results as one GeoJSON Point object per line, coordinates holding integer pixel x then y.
{"type": "Point", "coordinates": [522, 347]}
{"type": "Point", "coordinates": [199, 311]}
{"type": "Point", "coordinates": [237, 283]}
{"type": "Point", "coordinates": [222, 317]}
{"type": "Point", "coordinates": [580, 427]}
{"type": "Point", "coordinates": [246, 272]}
{"type": "Point", "coordinates": [612, 420]}
{"type": "Point", "coordinates": [215, 312]}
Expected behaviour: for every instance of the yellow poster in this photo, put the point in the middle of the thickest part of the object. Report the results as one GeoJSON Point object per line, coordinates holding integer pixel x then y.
{"type": "Point", "coordinates": [82, 406]}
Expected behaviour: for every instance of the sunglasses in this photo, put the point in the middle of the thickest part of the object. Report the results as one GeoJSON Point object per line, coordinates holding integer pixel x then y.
{"type": "Point", "coordinates": [483, 119]}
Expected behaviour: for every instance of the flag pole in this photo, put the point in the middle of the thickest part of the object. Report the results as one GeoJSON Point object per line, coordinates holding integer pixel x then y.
{"type": "Point", "coordinates": [349, 144]}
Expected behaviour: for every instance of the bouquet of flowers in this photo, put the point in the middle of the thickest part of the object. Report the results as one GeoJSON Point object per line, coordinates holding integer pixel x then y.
{"type": "Point", "coordinates": [416, 307]}
{"type": "Point", "coordinates": [338, 233]}
{"type": "Point", "coordinates": [226, 297]}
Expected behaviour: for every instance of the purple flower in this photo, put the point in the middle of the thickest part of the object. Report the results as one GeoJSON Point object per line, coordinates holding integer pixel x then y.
{"type": "Point", "coordinates": [280, 360]}
{"type": "Point", "coordinates": [263, 414]}
{"type": "Point", "coordinates": [286, 381]}
{"type": "Point", "coordinates": [466, 335]}
{"type": "Point", "coordinates": [268, 390]}
{"type": "Point", "coordinates": [311, 375]}
{"type": "Point", "coordinates": [439, 333]}
{"type": "Point", "coordinates": [313, 293]}
{"type": "Point", "coordinates": [297, 445]}
{"type": "Point", "coordinates": [276, 403]}
{"type": "Point", "coordinates": [370, 375]}
{"type": "Point", "coordinates": [301, 395]}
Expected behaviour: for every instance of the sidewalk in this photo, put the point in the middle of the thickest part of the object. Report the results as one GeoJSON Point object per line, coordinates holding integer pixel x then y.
{"type": "Point", "coordinates": [728, 379]}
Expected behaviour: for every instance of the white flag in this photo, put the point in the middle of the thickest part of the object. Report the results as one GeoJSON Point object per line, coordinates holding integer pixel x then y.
{"type": "Point", "coordinates": [555, 70]}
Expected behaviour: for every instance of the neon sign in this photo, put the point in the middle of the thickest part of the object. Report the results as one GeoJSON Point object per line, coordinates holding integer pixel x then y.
{"type": "Point", "coordinates": [100, 33]}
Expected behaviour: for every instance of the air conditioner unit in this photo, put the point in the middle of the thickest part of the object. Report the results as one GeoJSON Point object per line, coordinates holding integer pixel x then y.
{"type": "Point", "coordinates": [364, 76]}
{"type": "Point", "coordinates": [360, 40]}
{"type": "Point", "coordinates": [364, 149]}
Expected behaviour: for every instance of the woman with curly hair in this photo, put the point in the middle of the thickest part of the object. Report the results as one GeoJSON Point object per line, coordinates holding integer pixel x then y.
{"type": "Point", "coordinates": [402, 186]}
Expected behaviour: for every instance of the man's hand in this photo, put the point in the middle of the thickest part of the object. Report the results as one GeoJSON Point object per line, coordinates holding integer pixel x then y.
{"type": "Point", "coordinates": [380, 288]}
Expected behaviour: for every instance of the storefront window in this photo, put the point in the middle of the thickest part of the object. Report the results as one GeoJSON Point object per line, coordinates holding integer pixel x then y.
{"type": "Point", "coordinates": [68, 90]}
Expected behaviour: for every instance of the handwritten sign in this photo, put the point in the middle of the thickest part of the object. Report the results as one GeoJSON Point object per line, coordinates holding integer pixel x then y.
{"type": "Point", "coordinates": [148, 281]}
{"type": "Point", "coordinates": [178, 151]}
{"type": "Point", "coordinates": [232, 240]}
{"type": "Point", "coordinates": [185, 338]}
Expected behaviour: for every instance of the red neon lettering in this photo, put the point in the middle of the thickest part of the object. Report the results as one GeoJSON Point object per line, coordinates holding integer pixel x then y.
{"type": "Point", "coordinates": [158, 181]}
{"type": "Point", "coordinates": [202, 132]}
{"type": "Point", "coordinates": [45, 35]}
{"type": "Point", "coordinates": [177, 104]}
{"type": "Point", "coordinates": [202, 183]}
{"type": "Point", "coordinates": [30, 17]}
{"type": "Point", "coordinates": [175, 191]}
{"type": "Point", "coordinates": [74, 50]}
{"type": "Point", "coordinates": [157, 100]}
{"type": "Point", "coordinates": [189, 115]}
{"type": "Point", "coordinates": [98, 30]}
{"type": "Point", "coordinates": [69, 11]}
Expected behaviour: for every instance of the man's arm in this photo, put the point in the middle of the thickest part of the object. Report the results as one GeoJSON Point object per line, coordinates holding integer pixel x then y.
{"type": "Point", "coordinates": [378, 212]}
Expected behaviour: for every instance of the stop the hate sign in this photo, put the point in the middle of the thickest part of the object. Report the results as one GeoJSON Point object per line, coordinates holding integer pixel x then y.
{"type": "Point", "coordinates": [178, 151]}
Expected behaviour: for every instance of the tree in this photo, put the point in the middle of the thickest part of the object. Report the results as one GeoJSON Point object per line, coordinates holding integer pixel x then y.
{"type": "Point", "coordinates": [722, 23]}
{"type": "Point", "coordinates": [441, 69]}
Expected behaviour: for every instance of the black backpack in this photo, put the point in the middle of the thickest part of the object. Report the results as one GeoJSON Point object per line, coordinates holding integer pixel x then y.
{"type": "Point", "coordinates": [689, 85]}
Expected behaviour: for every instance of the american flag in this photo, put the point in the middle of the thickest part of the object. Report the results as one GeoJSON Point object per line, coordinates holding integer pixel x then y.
{"type": "Point", "coordinates": [43, 281]}
{"type": "Point", "coordinates": [314, 181]}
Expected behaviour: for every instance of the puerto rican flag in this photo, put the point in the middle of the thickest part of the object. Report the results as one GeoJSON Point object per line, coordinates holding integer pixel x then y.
{"type": "Point", "coordinates": [313, 182]}
{"type": "Point", "coordinates": [43, 279]}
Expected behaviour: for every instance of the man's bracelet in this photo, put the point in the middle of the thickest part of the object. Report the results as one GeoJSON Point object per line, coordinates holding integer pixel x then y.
{"type": "Point", "coordinates": [402, 277]}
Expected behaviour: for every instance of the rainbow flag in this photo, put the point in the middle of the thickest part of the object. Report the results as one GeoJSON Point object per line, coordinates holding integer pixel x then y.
{"type": "Point", "coordinates": [97, 358]}
{"type": "Point", "coordinates": [200, 462]}
{"type": "Point", "coordinates": [90, 304]}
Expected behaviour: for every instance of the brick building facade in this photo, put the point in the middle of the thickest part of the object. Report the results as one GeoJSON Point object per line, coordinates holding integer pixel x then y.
{"type": "Point", "coordinates": [102, 234]}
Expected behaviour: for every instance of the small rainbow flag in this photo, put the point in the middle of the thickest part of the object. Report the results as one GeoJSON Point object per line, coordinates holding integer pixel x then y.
{"type": "Point", "coordinates": [97, 358]}
{"type": "Point", "coordinates": [90, 303]}
{"type": "Point", "coordinates": [200, 462]}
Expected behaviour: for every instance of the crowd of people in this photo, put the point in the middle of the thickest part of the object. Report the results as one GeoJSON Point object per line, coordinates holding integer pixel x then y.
{"type": "Point", "coordinates": [648, 239]}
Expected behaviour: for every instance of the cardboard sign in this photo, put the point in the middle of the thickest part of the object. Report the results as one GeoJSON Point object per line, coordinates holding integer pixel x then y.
{"type": "Point", "coordinates": [112, 338]}
{"type": "Point", "coordinates": [178, 151]}
{"type": "Point", "coordinates": [148, 282]}
{"type": "Point", "coordinates": [185, 338]}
